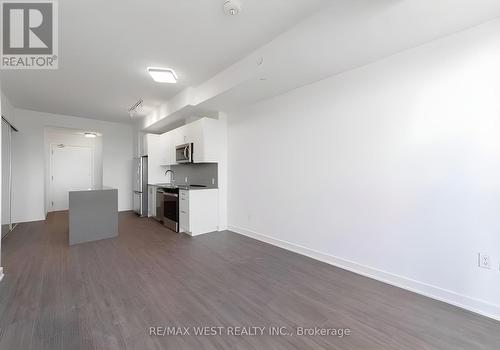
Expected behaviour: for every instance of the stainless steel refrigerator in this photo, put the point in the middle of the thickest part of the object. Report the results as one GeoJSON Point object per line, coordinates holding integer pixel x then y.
{"type": "Point", "coordinates": [141, 186]}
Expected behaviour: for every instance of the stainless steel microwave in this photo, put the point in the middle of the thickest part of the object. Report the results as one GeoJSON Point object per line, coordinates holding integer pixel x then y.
{"type": "Point", "coordinates": [184, 153]}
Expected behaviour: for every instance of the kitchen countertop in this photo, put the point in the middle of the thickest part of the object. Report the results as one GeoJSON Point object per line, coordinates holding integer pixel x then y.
{"type": "Point", "coordinates": [184, 187]}
{"type": "Point", "coordinates": [97, 188]}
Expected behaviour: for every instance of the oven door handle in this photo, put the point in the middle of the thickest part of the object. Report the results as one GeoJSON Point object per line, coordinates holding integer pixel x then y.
{"type": "Point", "coordinates": [170, 194]}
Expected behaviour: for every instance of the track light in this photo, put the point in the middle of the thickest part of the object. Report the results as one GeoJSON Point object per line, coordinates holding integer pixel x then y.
{"type": "Point", "coordinates": [135, 108]}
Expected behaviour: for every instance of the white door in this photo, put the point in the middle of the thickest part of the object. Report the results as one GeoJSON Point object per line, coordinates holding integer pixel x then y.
{"type": "Point", "coordinates": [71, 170]}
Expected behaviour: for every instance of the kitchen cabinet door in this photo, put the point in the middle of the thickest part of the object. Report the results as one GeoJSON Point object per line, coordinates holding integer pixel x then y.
{"type": "Point", "coordinates": [151, 201]}
{"type": "Point", "coordinates": [170, 143]}
{"type": "Point", "coordinates": [166, 149]}
{"type": "Point", "coordinates": [184, 211]}
{"type": "Point", "coordinates": [143, 145]}
{"type": "Point", "coordinates": [150, 145]}
{"type": "Point", "coordinates": [202, 214]}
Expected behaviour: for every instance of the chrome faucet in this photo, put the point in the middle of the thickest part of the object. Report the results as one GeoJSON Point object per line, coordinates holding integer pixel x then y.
{"type": "Point", "coordinates": [172, 179]}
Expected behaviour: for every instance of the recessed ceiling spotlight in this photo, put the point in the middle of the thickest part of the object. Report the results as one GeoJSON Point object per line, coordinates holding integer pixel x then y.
{"type": "Point", "coordinates": [232, 7]}
{"type": "Point", "coordinates": [90, 135]}
{"type": "Point", "coordinates": [163, 75]}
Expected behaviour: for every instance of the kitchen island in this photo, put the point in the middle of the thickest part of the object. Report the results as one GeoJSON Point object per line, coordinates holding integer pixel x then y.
{"type": "Point", "coordinates": [93, 214]}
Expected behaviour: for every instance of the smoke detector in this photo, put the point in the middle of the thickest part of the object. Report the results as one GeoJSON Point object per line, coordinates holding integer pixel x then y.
{"type": "Point", "coordinates": [232, 7]}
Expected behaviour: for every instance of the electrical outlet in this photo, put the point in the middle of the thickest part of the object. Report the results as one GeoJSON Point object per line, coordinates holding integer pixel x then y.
{"type": "Point", "coordinates": [186, 179]}
{"type": "Point", "coordinates": [484, 261]}
{"type": "Point", "coordinates": [213, 181]}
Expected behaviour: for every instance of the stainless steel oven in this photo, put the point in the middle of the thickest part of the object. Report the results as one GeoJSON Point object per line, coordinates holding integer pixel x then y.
{"type": "Point", "coordinates": [184, 153]}
{"type": "Point", "coordinates": [171, 208]}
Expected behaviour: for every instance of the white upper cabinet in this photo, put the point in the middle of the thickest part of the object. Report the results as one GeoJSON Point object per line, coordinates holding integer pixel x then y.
{"type": "Point", "coordinates": [177, 139]}
{"type": "Point", "coordinates": [150, 145]}
{"type": "Point", "coordinates": [167, 149]}
{"type": "Point", "coordinates": [143, 145]}
{"type": "Point", "coordinates": [204, 134]}
{"type": "Point", "coordinates": [153, 151]}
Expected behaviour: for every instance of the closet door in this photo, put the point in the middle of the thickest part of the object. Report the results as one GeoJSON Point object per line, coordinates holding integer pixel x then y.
{"type": "Point", "coordinates": [6, 178]}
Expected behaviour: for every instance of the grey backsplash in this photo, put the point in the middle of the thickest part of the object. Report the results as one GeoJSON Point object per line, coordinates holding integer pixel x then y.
{"type": "Point", "coordinates": [197, 174]}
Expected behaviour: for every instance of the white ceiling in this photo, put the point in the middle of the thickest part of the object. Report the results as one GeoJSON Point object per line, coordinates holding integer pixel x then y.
{"type": "Point", "coordinates": [347, 35]}
{"type": "Point", "coordinates": [105, 47]}
{"type": "Point", "coordinates": [343, 36]}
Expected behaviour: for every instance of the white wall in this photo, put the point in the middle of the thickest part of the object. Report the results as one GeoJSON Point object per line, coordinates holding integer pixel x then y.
{"type": "Point", "coordinates": [28, 160]}
{"type": "Point", "coordinates": [1, 268]}
{"type": "Point", "coordinates": [223, 172]}
{"type": "Point", "coordinates": [391, 170]}
{"type": "Point", "coordinates": [8, 110]}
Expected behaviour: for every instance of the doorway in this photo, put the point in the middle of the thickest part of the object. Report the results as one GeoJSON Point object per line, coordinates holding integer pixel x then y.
{"type": "Point", "coordinates": [70, 170]}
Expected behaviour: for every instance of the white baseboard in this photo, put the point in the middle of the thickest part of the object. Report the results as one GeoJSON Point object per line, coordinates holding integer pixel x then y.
{"type": "Point", "coordinates": [465, 302]}
{"type": "Point", "coordinates": [21, 221]}
{"type": "Point", "coordinates": [1, 273]}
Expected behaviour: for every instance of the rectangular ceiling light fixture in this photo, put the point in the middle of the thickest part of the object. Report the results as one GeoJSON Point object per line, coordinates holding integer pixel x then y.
{"type": "Point", "coordinates": [162, 75]}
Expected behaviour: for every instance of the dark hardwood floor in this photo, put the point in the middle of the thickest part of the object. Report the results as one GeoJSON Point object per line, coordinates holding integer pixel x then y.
{"type": "Point", "coordinates": [106, 295]}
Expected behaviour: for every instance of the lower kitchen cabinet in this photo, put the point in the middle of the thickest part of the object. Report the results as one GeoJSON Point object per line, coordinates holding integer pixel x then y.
{"type": "Point", "coordinates": [198, 211]}
{"type": "Point", "coordinates": [151, 201]}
